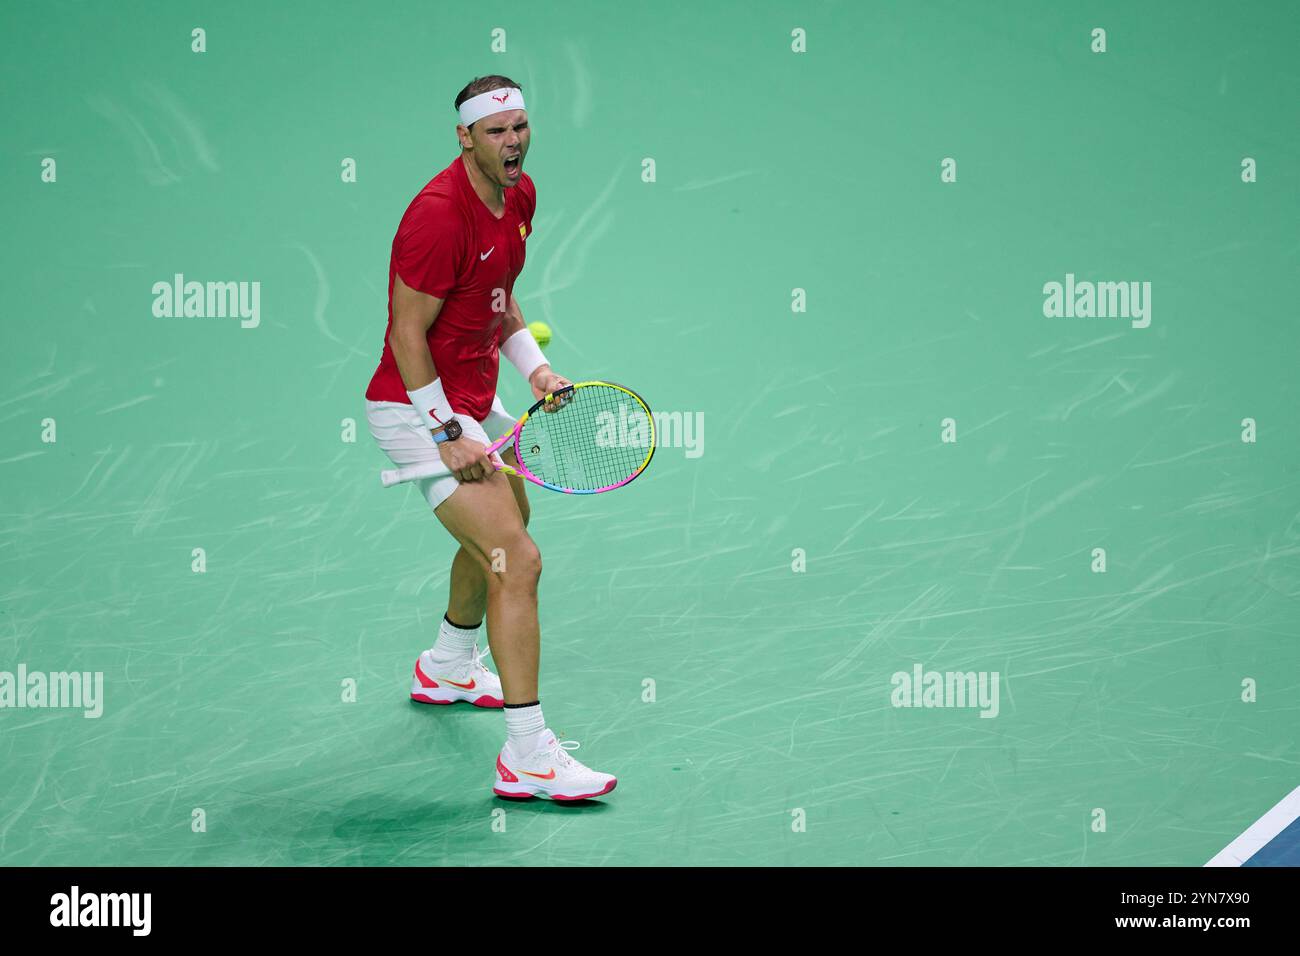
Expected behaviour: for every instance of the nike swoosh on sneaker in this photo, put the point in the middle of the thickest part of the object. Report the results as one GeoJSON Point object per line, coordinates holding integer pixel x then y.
{"type": "Point", "coordinates": [541, 776]}
{"type": "Point", "coordinates": [470, 686]}
{"type": "Point", "coordinates": [483, 255]}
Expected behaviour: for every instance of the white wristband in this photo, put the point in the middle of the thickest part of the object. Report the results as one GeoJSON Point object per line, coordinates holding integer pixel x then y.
{"type": "Point", "coordinates": [523, 352]}
{"type": "Point", "coordinates": [430, 402]}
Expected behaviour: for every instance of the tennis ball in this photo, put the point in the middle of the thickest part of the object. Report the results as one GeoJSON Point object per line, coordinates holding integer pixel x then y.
{"type": "Point", "coordinates": [541, 332]}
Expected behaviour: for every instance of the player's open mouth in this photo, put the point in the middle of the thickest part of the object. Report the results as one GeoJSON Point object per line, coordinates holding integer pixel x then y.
{"type": "Point", "coordinates": [512, 165]}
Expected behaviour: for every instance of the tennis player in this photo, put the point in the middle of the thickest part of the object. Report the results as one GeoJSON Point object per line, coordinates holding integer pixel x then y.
{"type": "Point", "coordinates": [451, 315]}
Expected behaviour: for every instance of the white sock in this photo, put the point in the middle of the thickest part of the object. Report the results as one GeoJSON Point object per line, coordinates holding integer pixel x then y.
{"type": "Point", "coordinates": [524, 726]}
{"type": "Point", "coordinates": [454, 643]}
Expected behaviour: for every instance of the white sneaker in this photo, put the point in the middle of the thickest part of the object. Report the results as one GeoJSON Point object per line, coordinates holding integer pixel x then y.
{"type": "Point", "coordinates": [443, 683]}
{"type": "Point", "coordinates": [549, 771]}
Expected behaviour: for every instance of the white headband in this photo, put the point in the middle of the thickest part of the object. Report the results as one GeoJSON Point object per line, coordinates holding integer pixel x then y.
{"type": "Point", "coordinates": [494, 101]}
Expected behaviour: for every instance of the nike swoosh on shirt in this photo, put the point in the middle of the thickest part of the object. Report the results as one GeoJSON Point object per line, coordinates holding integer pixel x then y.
{"type": "Point", "coordinates": [484, 255]}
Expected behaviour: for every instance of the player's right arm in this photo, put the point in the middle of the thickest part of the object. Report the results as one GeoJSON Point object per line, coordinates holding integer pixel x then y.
{"type": "Point", "coordinates": [414, 313]}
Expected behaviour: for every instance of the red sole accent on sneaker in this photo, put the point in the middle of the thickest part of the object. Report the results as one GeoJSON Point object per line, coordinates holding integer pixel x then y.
{"type": "Point", "coordinates": [484, 701]}
{"type": "Point", "coordinates": [587, 796]}
{"type": "Point", "coordinates": [555, 796]}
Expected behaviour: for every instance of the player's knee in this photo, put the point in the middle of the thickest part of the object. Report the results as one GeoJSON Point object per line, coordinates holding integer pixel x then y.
{"type": "Point", "coordinates": [530, 558]}
{"type": "Point", "coordinates": [517, 564]}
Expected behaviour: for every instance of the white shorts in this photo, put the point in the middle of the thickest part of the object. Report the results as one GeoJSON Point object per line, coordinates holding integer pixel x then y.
{"type": "Point", "coordinates": [401, 433]}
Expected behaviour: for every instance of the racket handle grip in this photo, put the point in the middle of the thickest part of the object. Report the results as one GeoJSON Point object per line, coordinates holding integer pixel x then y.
{"type": "Point", "coordinates": [395, 476]}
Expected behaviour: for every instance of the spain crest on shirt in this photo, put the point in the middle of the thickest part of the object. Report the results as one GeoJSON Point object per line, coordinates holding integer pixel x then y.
{"type": "Point", "coordinates": [523, 233]}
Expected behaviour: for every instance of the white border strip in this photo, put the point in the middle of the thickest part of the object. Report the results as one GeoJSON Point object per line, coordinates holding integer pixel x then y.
{"type": "Point", "coordinates": [1260, 833]}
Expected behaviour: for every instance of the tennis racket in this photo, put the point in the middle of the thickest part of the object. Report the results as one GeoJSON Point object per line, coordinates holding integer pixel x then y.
{"type": "Point", "coordinates": [597, 436]}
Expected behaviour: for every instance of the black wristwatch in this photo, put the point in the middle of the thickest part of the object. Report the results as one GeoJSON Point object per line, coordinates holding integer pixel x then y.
{"type": "Point", "coordinates": [449, 431]}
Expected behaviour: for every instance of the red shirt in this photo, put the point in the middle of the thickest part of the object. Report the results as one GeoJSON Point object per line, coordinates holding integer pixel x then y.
{"type": "Point", "coordinates": [449, 245]}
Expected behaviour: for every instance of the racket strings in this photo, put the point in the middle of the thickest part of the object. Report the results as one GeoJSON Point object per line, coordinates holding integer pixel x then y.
{"type": "Point", "coordinates": [600, 437]}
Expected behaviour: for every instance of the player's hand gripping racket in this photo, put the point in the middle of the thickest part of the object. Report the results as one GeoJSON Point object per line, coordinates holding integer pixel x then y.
{"type": "Point", "coordinates": [599, 438]}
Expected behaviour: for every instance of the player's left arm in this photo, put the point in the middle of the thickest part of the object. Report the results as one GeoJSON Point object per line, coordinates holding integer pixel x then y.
{"type": "Point", "coordinates": [523, 352]}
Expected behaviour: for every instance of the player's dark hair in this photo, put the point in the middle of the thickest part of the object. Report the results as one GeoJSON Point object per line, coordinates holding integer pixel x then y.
{"type": "Point", "coordinates": [484, 84]}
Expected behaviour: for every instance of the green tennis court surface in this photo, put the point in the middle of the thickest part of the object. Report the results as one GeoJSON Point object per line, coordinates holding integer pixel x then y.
{"type": "Point", "coordinates": [725, 633]}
